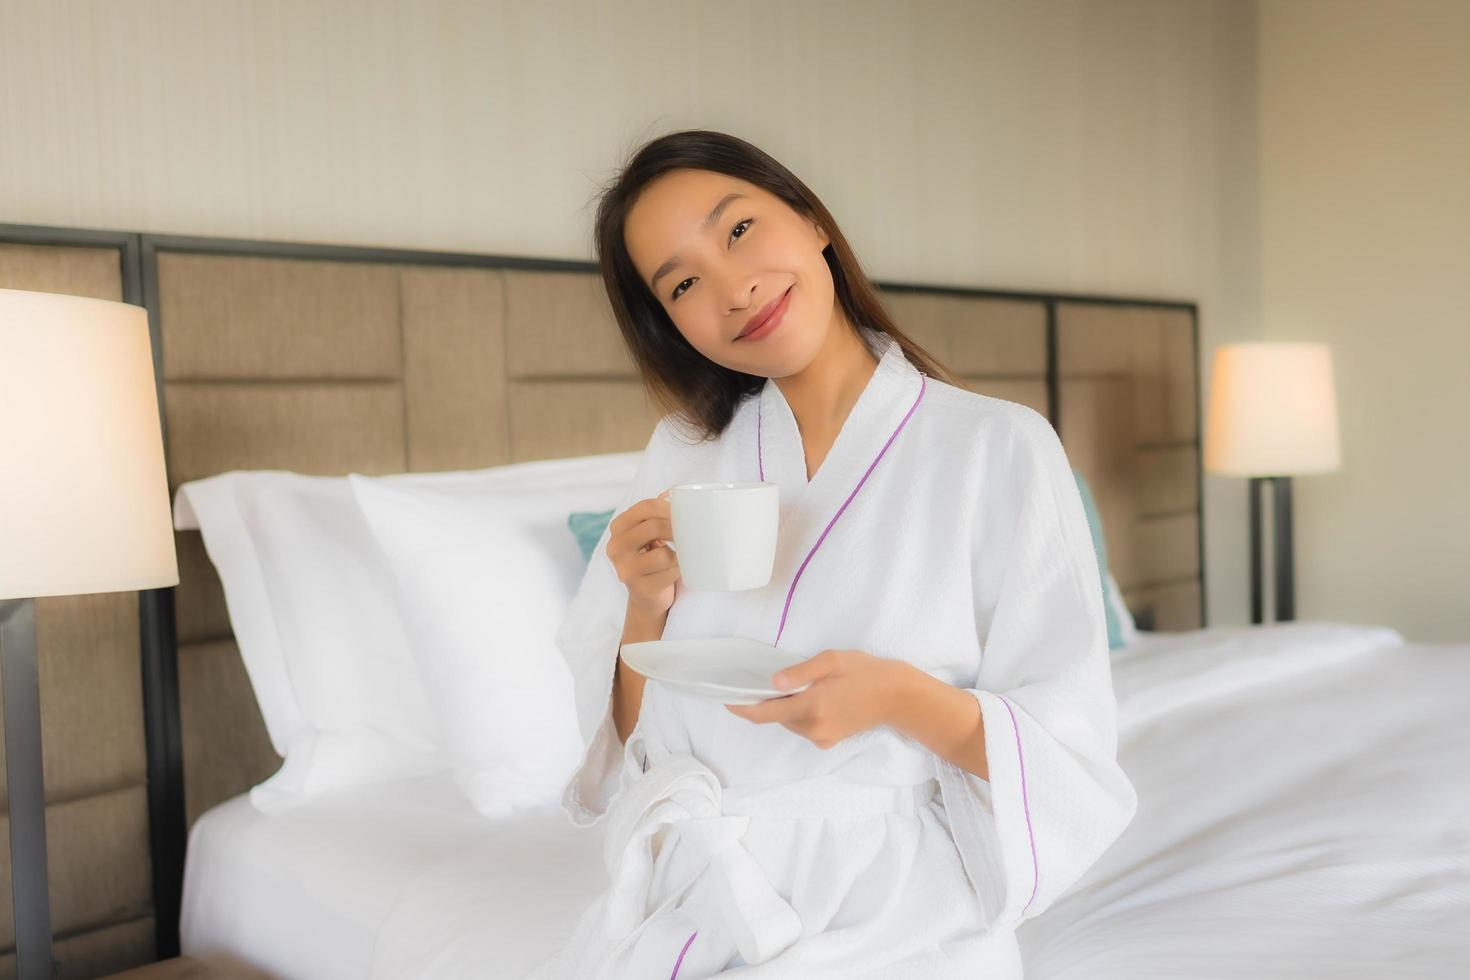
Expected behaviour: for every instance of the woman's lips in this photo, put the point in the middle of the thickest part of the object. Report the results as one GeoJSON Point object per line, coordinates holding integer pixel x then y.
{"type": "Point", "coordinates": [772, 321]}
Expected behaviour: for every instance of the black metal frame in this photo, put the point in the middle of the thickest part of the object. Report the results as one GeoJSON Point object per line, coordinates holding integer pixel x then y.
{"type": "Point", "coordinates": [139, 256]}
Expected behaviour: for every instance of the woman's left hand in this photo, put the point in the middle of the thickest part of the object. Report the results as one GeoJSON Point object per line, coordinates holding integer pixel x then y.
{"type": "Point", "coordinates": [851, 691]}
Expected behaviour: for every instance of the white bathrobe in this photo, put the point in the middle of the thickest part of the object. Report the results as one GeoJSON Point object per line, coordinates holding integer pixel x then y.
{"type": "Point", "coordinates": [943, 528]}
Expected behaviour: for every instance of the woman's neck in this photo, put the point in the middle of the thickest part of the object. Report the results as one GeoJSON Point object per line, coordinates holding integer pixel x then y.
{"type": "Point", "coordinates": [822, 394]}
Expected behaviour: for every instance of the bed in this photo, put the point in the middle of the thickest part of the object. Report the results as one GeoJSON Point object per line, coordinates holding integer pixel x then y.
{"type": "Point", "coordinates": [1303, 800]}
{"type": "Point", "coordinates": [1303, 812]}
{"type": "Point", "coordinates": [1299, 811]}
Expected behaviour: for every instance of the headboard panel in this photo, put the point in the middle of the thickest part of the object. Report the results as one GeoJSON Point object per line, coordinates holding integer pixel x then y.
{"type": "Point", "coordinates": [997, 346]}
{"type": "Point", "coordinates": [1129, 418]}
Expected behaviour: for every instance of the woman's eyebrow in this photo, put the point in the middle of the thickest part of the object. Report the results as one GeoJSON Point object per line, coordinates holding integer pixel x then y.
{"type": "Point", "coordinates": [704, 225]}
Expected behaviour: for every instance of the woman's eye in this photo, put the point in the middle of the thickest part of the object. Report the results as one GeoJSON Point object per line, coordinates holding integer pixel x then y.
{"type": "Point", "coordinates": [679, 289]}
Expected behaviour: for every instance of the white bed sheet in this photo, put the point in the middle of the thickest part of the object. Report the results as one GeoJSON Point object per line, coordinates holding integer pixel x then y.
{"type": "Point", "coordinates": [1303, 812]}
{"type": "Point", "coordinates": [315, 892]}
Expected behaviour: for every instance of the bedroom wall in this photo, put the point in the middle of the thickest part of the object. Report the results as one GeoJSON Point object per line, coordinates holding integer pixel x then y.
{"type": "Point", "coordinates": [1365, 244]}
{"type": "Point", "coordinates": [1069, 146]}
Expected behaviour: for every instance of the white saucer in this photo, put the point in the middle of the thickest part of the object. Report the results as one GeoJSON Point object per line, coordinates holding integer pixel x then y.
{"type": "Point", "coordinates": [730, 669]}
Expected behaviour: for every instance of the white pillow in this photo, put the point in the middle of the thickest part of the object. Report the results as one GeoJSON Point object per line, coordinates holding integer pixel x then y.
{"type": "Point", "coordinates": [486, 566]}
{"type": "Point", "coordinates": [313, 612]}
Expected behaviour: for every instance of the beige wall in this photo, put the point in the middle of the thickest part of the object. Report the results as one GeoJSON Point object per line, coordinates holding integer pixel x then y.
{"type": "Point", "coordinates": [1365, 244]}
{"type": "Point", "coordinates": [1081, 146]}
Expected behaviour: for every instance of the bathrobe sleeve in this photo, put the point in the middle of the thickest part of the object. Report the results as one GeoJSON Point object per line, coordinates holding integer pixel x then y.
{"type": "Point", "coordinates": [589, 638]}
{"type": "Point", "coordinates": [1056, 797]}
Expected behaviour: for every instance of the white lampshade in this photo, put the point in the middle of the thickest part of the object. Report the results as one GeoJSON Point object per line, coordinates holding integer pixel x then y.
{"type": "Point", "coordinates": [84, 503]}
{"type": "Point", "coordinates": [1272, 410]}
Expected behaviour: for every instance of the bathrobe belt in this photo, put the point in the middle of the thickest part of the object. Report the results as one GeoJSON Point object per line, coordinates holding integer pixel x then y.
{"type": "Point", "coordinates": [680, 790]}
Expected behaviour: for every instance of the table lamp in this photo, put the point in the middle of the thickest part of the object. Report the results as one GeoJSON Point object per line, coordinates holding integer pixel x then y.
{"type": "Point", "coordinates": [84, 508]}
{"type": "Point", "coordinates": [1272, 415]}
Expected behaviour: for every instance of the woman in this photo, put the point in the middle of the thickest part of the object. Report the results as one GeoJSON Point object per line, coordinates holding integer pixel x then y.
{"type": "Point", "coordinates": [951, 769]}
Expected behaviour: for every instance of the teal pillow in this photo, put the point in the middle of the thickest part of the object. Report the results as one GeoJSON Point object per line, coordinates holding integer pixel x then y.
{"type": "Point", "coordinates": [587, 528]}
{"type": "Point", "coordinates": [1099, 546]}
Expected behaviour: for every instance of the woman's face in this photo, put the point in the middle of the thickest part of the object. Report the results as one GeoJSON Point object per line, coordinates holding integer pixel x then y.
{"type": "Point", "coordinates": [713, 278]}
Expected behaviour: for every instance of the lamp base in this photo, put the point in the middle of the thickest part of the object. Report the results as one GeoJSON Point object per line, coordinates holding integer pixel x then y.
{"type": "Point", "coordinates": [18, 676]}
{"type": "Point", "coordinates": [1285, 608]}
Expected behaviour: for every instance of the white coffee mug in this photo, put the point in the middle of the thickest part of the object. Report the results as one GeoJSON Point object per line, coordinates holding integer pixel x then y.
{"type": "Point", "coordinates": [725, 534]}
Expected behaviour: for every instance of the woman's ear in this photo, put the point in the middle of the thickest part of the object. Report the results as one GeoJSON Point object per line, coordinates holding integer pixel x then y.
{"type": "Point", "coordinates": [820, 232]}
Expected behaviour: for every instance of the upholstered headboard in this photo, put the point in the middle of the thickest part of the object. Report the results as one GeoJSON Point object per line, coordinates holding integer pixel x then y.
{"type": "Point", "coordinates": [329, 360]}
{"type": "Point", "coordinates": [333, 361]}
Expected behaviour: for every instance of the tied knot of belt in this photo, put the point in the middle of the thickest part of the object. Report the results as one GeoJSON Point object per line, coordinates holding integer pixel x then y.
{"type": "Point", "coordinates": [711, 818]}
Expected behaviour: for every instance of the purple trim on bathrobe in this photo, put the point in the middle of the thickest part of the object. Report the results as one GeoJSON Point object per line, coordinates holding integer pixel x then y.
{"type": "Point", "coordinates": [1026, 804]}
{"type": "Point", "coordinates": [923, 384]}
{"type": "Point", "coordinates": [680, 961]}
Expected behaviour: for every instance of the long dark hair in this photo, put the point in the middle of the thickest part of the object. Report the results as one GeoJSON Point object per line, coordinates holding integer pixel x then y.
{"type": "Point", "coordinates": [681, 380]}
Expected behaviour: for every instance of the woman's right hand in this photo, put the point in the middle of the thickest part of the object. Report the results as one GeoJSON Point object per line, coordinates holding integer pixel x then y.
{"type": "Point", "coordinates": [638, 550]}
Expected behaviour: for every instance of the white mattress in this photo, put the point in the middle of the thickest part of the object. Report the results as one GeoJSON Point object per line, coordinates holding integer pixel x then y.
{"type": "Point", "coordinates": [1303, 813]}
{"type": "Point", "coordinates": [317, 892]}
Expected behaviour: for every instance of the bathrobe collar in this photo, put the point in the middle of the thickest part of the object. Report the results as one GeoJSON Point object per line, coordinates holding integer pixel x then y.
{"type": "Point", "coordinates": [772, 446]}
